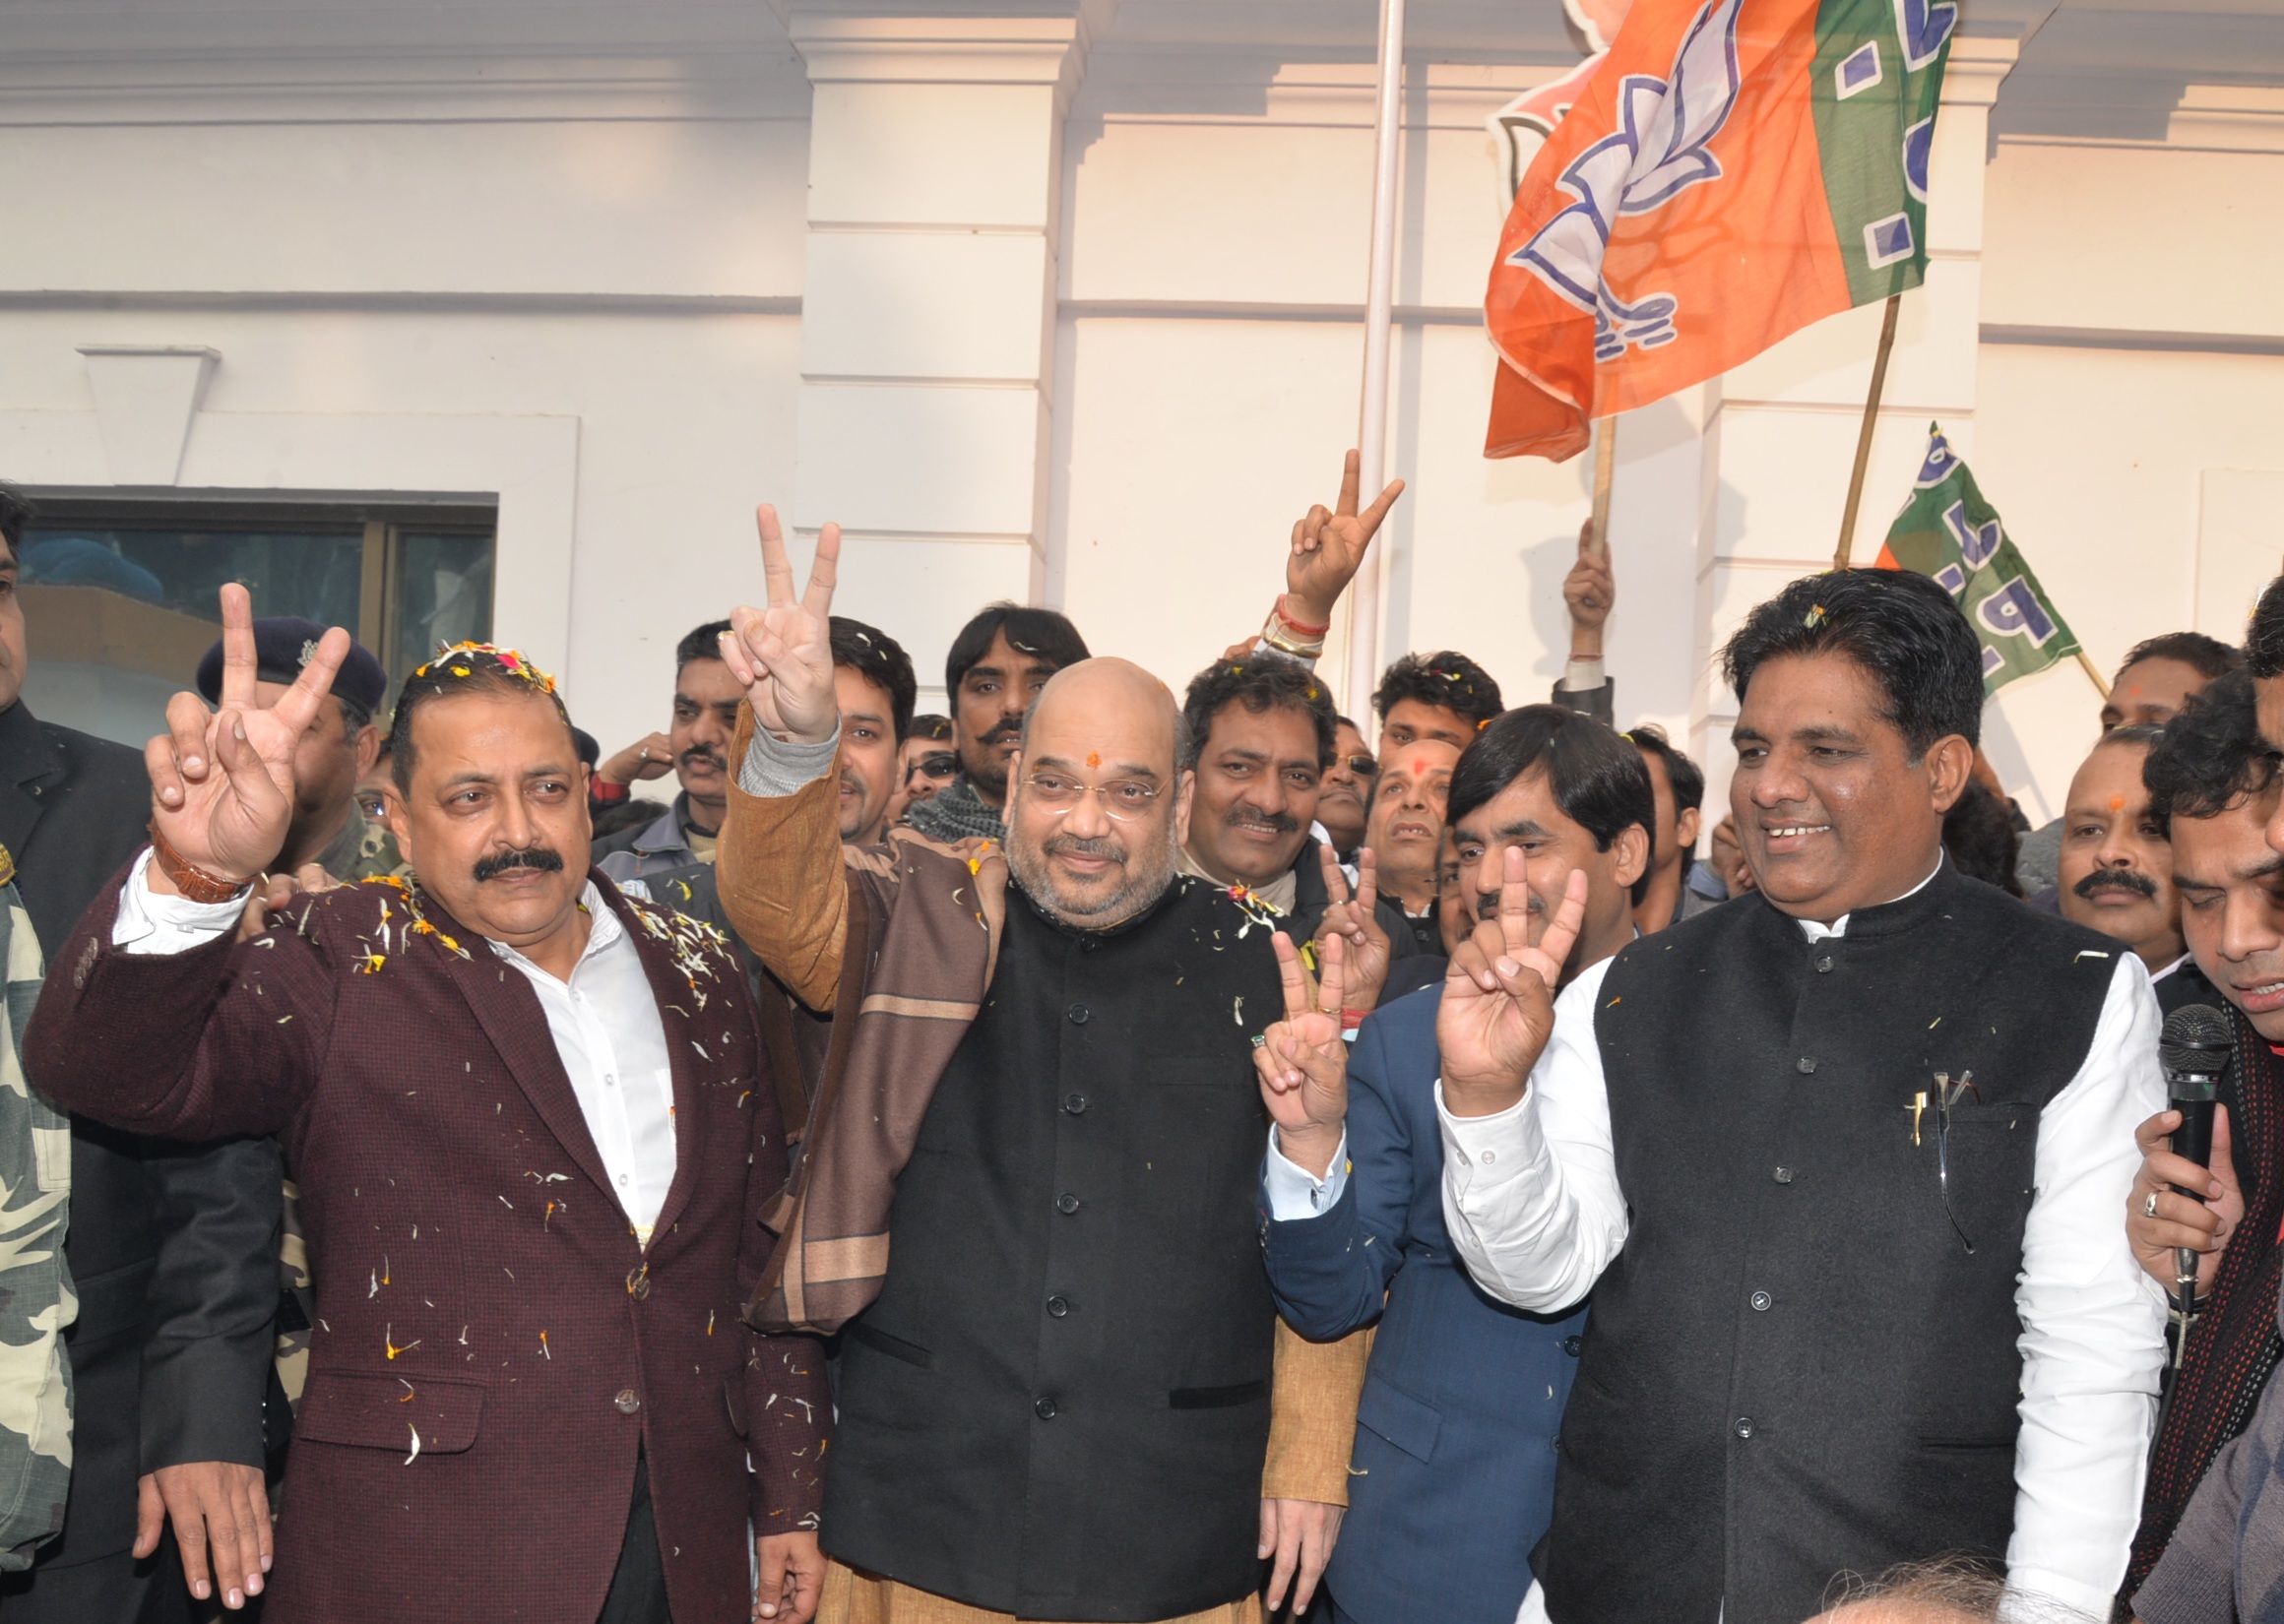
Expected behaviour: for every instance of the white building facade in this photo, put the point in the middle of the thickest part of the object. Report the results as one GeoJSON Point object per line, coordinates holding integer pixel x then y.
{"type": "Point", "coordinates": [1059, 302]}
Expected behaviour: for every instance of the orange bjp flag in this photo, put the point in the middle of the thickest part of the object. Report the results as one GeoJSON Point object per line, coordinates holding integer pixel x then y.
{"type": "Point", "coordinates": [1735, 170]}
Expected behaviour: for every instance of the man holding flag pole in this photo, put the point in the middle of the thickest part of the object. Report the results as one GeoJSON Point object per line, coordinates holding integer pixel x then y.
{"type": "Point", "coordinates": [1840, 1161]}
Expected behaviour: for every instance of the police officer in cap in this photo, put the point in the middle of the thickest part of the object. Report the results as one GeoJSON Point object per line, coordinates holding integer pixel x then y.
{"type": "Point", "coordinates": [339, 749]}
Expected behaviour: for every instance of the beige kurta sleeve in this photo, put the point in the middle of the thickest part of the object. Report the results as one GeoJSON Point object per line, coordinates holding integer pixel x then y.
{"type": "Point", "coordinates": [779, 871]}
{"type": "Point", "coordinates": [1312, 1409]}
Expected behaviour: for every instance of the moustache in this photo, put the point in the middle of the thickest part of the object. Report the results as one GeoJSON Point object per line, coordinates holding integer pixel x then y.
{"type": "Point", "coordinates": [1486, 903]}
{"type": "Point", "coordinates": [543, 858]}
{"type": "Point", "coordinates": [2116, 879]}
{"type": "Point", "coordinates": [1085, 846]}
{"type": "Point", "coordinates": [1007, 732]}
{"type": "Point", "coordinates": [699, 753]}
{"type": "Point", "coordinates": [1275, 823]}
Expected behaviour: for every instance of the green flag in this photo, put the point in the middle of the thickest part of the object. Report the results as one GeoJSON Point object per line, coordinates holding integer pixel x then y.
{"type": "Point", "coordinates": [1947, 530]}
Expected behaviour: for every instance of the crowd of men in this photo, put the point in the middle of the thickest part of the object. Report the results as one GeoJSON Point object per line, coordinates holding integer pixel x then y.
{"type": "Point", "coordinates": [1132, 1151]}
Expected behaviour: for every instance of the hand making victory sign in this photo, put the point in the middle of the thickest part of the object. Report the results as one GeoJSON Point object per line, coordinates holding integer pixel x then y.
{"type": "Point", "coordinates": [1302, 1059]}
{"type": "Point", "coordinates": [221, 781]}
{"type": "Point", "coordinates": [1355, 923]}
{"type": "Point", "coordinates": [783, 656]}
{"type": "Point", "coordinates": [1329, 547]}
{"type": "Point", "coordinates": [1498, 997]}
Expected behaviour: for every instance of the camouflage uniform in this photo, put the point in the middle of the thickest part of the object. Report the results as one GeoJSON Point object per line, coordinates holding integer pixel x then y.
{"type": "Point", "coordinates": [37, 1300]}
{"type": "Point", "coordinates": [363, 850]}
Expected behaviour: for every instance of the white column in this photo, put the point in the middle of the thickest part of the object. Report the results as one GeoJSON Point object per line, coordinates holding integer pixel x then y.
{"type": "Point", "coordinates": [928, 303]}
{"type": "Point", "coordinates": [1780, 431]}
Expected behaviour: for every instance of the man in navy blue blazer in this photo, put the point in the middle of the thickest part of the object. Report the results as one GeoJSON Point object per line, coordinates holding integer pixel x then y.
{"type": "Point", "coordinates": [1453, 1471]}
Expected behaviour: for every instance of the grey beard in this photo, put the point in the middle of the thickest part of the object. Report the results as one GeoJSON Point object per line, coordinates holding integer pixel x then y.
{"type": "Point", "coordinates": [1142, 884]}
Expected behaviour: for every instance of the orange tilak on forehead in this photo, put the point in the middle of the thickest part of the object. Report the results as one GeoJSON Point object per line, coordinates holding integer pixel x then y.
{"type": "Point", "coordinates": [1094, 758]}
{"type": "Point", "coordinates": [2117, 803]}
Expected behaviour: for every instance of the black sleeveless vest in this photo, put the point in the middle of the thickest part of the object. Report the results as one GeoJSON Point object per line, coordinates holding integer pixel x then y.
{"type": "Point", "coordinates": [1797, 1366]}
{"type": "Point", "coordinates": [1059, 1406]}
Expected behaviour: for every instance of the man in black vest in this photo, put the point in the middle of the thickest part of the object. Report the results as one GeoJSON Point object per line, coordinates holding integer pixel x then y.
{"type": "Point", "coordinates": [1059, 1402]}
{"type": "Point", "coordinates": [1843, 1168]}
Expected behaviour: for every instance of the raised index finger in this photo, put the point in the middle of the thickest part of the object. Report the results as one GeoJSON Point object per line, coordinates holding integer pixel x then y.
{"type": "Point", "coordinates": [776, 568]}
{"type": "Point", "coordinates": [1350, 472]}
{"type": "Point", "coordinates": [1514, 906]}
{"type": "Point", "coordinates": [1290, 976]}
{"type": "Point", "coordinates": [239, 662]}
{"type": "Point", "coordinates": [1367, 882]}
{"type": "Point", "coordinates": [1335, 882]}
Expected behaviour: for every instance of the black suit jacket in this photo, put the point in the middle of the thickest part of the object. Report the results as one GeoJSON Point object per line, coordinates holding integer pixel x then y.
{"type": "Point", "coordinates": [173, 1248]}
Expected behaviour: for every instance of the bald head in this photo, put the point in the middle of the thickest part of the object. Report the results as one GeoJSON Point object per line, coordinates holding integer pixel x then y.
{"type": "Point", "coordinates": [1097, 808]}
{"type": "Point", "coordinates": [1110, 709]}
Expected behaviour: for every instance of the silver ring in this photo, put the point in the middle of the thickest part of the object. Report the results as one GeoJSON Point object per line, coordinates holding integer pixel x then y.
{"type": "Point", "coordinates": [2149, 1206]}
{"type": "Point", "coordinates": [646, 752]}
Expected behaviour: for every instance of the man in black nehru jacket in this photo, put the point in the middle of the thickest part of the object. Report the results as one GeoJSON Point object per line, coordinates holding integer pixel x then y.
{"type": "Point", "coordinates": [1844, 1164]}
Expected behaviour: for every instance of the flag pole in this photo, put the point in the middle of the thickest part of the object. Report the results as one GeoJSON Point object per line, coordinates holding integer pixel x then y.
{"type": "Point", "coordinates": [1847, 545]}
{"type": "Point", "coordinates": [1605, 465]}
{"type": "Point", "coordinates": [2093, 676]}
{"type": "Point", "coordinates": [1364, 646]}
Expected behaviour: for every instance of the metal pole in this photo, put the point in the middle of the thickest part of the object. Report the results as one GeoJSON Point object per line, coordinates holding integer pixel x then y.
{"type": "Point", "coordinates": [1364, 650]}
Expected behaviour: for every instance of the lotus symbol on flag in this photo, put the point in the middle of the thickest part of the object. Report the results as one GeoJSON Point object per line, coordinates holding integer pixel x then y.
{"type": "Point", "coordinates": [1657, 152]}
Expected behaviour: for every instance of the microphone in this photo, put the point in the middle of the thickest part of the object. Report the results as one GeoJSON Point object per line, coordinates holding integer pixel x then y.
{"type": "Point", "coordinates": [2193, 1050]}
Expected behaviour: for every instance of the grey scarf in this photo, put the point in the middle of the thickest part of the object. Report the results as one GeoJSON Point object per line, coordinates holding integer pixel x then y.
{"type": "Point", "coordinates": [957, 813]}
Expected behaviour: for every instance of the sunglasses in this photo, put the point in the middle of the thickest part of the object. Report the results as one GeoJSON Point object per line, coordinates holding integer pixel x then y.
{"type": "Point", "coordinates": [1364, 767]}
{"type": "Point", "coordinates": [937, 764]}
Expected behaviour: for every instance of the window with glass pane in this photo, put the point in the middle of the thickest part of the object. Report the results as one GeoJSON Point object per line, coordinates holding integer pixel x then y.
{"type": "Point", "coordinates": [120, 602]}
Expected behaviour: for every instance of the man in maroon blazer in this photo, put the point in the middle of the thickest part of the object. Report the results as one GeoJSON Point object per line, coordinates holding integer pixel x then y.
{"type": "Point", "coordinates": [535, 1134]}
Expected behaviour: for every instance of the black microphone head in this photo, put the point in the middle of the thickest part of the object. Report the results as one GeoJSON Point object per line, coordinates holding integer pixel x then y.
{"type": "Point", "coordinates": [2196, 1038]}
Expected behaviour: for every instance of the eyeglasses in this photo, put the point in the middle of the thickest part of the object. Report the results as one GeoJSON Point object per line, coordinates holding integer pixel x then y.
{"type": "Point", "coordinates": [1364, 767]}
{"type": "Point", "coordinates": [937, 764]}
{"type": "Point", "coordinates": [1124, 799]}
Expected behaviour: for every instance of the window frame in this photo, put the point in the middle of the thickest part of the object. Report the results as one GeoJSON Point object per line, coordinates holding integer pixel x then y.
{"type": "Point", "coordinates": [385, 517]}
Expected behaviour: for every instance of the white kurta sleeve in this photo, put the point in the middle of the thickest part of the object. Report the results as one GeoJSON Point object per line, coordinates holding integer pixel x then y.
{"type": "Point", "coordinates": [1530, 1195]}
{"type": "Point", "coordinates": [2093, 1324]}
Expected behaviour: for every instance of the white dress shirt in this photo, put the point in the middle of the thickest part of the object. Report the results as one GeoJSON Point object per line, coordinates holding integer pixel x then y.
{"type": "Point", "coordinates": [605, 1020]}
{"type": "Point", "coordinates": [1532, 1199]}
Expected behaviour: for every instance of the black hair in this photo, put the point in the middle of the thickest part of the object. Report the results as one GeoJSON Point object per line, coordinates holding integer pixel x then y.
{"type": "Point", "coordinates": [1685, 775]}
{"type": "Point", "coordinates": [1898, 626]}
{"type": "Point", "coordinates": [932, 726]}
{"type": "Point", "coordinates": [1030, 630]}
{"type": "Point", "coordinates": [1979, 835]}
{"type": "Point", "coordinates": [1598, 778]}
{"type": "Point", "coordinates": [702, 643]}
{"type": "Point", "coordinates": [16, 511]}
{"type": "Point", "coordinates": [880, 660]}
{"type": "Point", "coordinates": [2209, 656]}
{"type": "Point", "coordinates": [2211, 755]}
{"type": "Point", "coordinates": [1260, 683]}
{"type": "Point", "coordinates": [468, 668]}
{"type": "Point", "coordinates": [2264, 637]}
{"type": "Point", "coordinates": [1446, 678]}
